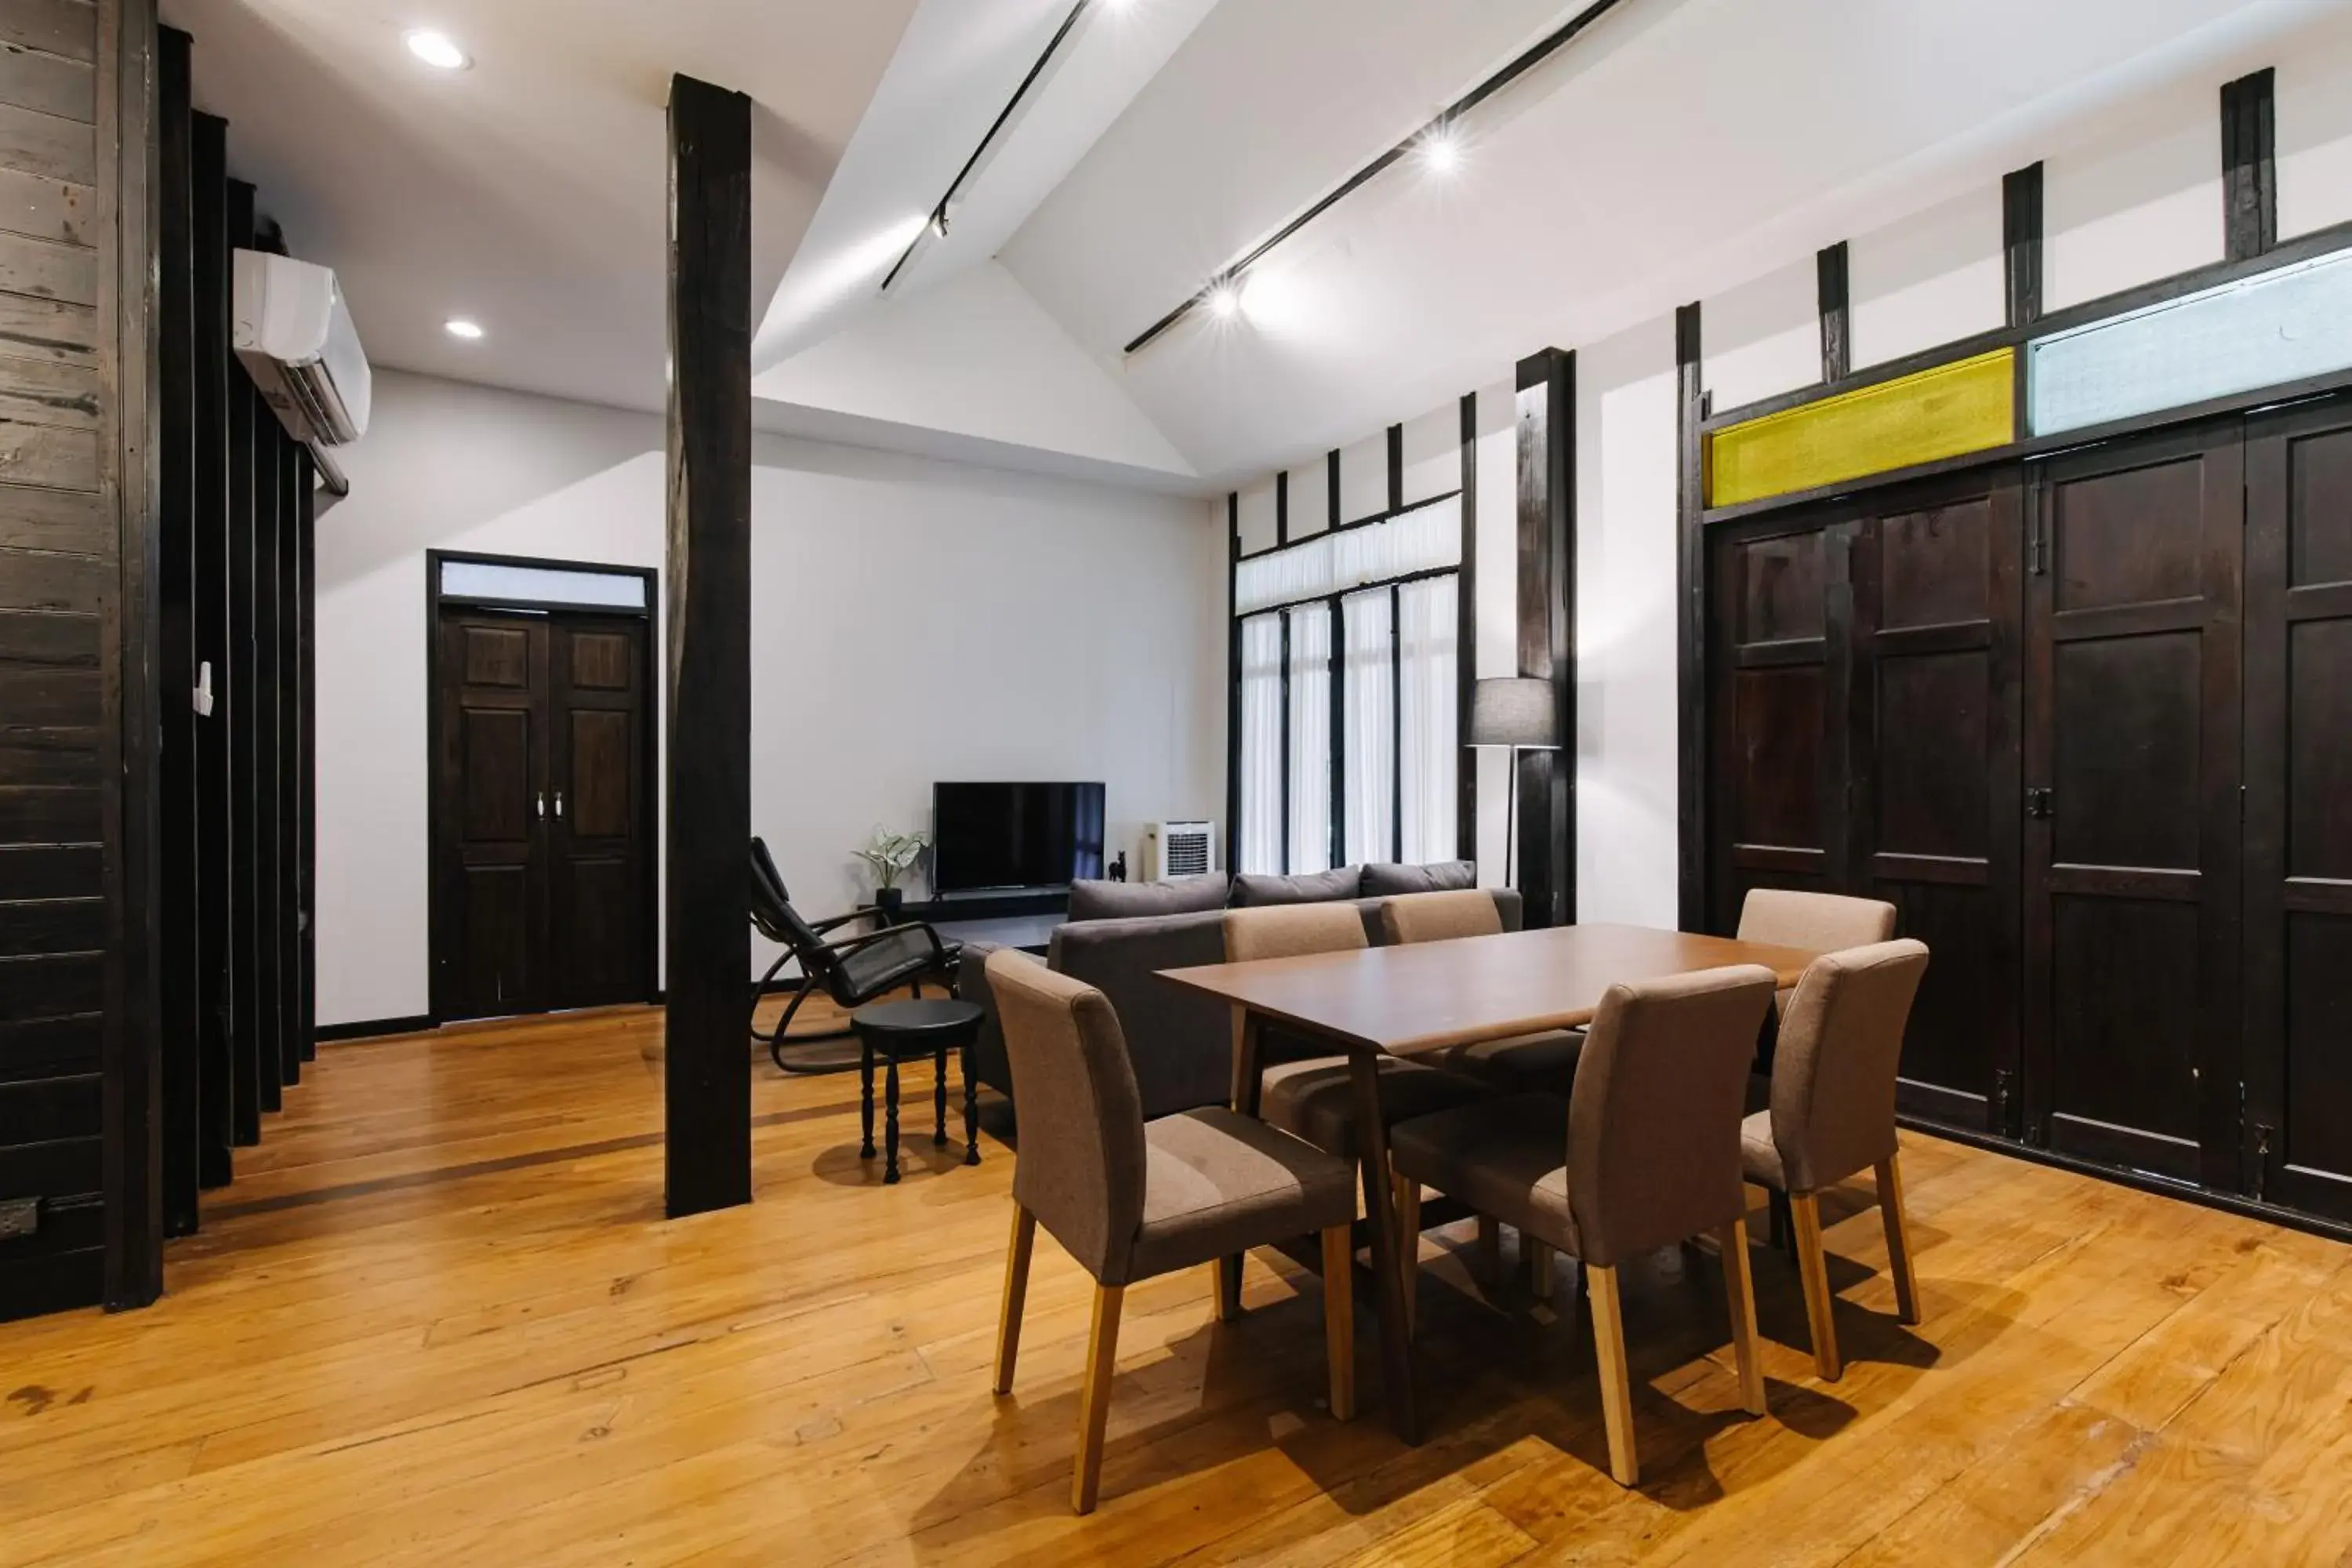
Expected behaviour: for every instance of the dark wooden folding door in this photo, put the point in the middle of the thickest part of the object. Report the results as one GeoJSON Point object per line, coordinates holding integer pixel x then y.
{"type": "Point", "coordinates": [542, 831]}
{"type": "Point", "coordinates": [2132, 831]}
{"type": "Point", "coordinates": [1933, 787]}
{"type": "Point", "coordinates": [2298, 863]}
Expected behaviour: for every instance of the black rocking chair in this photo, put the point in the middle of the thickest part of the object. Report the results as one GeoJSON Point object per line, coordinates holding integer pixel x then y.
{"type": "Point", "coordinates": [852, 971]}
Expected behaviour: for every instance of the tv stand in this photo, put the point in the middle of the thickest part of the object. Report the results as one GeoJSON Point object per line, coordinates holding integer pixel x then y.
{"type": "Point", "coordinates": [994, 904]}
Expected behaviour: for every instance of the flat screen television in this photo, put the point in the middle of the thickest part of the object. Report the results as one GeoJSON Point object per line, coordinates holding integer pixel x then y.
{"type": "Point", "coordinates": [990, 836]}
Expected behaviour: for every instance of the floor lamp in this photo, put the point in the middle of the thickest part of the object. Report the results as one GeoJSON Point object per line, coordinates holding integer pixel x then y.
{"type": "Point", "coordinates": [1517, 712]}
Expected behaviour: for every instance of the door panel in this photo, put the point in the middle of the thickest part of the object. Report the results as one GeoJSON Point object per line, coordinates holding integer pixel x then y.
{"type": "Point", "coordinates": [2299, 807]}
{"type": "Point", "coordinates": [599, 850]}
{"type": "Point", "coordinates": [2131, 857]}
{"type": "Point", "coordinates": [1935, 778]}
{"type": "Point", "coordinates": [490, 940]}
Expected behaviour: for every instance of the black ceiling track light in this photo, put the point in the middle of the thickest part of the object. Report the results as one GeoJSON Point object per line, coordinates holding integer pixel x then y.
{"type": "Point", "coordinates": [1220, 292]}
{"type": "Point", "coordinates": [935, 227]}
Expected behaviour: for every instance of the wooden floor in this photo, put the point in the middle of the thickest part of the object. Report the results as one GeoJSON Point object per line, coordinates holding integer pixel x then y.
{"type": "Point", "coordinates": [439, 1320]}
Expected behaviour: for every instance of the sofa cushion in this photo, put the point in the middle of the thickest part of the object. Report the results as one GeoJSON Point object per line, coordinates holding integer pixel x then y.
{"type": "Point", "coordinates": [1182, 1042]}
{"type": "Point", "coordinates": [1383, 880]}
{"type": "Point", "coordinates": [1095, 901]}
{"type": "Point", "coordinates": [1313, 888]}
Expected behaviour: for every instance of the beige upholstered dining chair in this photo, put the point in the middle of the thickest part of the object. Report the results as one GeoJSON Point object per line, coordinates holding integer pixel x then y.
{"type": "Point", "coordinates": [1545, 1061]}
{"type": "Point", "coordinates": [1313, 1097]}
{"type": "Point", "coordinates": [1642, 1155]}
{"type": "Point", "coordinates": [1818, 922]}
{"type": "Point", "coordinates": [1131, 1199]}
{"type": "Point", "coordinates": [1833, 1114]}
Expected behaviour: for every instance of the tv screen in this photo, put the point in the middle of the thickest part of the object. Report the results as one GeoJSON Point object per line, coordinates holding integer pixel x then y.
{"type": "Point", "coordinates": [1014, 835]}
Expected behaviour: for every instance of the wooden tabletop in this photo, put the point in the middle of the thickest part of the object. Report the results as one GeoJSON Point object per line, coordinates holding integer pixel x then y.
{"type": "Point", "coordinates": [1421, 996]}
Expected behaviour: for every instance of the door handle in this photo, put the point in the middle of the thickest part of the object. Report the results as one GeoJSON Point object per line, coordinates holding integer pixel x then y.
{"type": "Point", "coordinates": [541, 800]}
{"type": "Point", "coordinates": [559, 802]}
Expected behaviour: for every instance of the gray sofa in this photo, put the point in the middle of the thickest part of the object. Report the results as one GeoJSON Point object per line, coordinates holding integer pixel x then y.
{"type": "Point", "coordinates": [1181, 1043]}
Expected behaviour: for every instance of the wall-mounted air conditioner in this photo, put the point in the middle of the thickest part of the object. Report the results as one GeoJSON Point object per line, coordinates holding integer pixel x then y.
{"type": "Point", "coordinates": [1179, 850]}
{"type": "Point", "coordinates": [290, 327]}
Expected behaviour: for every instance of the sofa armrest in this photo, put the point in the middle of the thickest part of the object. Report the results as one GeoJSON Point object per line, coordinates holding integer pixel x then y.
{"type": "Point", "coordinates": [1508, 905]}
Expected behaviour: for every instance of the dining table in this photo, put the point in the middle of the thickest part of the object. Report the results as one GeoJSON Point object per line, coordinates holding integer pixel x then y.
{"type": "Point", "coordinates": [1417, 998]}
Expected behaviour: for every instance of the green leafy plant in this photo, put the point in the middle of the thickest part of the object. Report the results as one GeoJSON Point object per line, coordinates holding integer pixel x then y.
{"type": "Point", "coordinates": [892, 855]}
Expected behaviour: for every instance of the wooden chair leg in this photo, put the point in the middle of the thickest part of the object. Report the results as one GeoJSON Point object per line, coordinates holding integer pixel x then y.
{"type": "Point", "coordinates": [1740, 1292]}
{"type": "Point", "coordinates": [1616, 1381]}
{"type": "Point", "coordinates": [1094, 1396]}
{"type": "Point", "coordinates": [1898, 1220]}
{"type": "Point", "coordinates": [1016, 1296]}
{"type": "Point", "coordinates": [1543, 1264]}
{"type": "Point", "coordinates": [1408, 1209]}
{"type": "Point", "coordinates": [1812, 1267]}
{"type": "Point", "coordinates": [1229, 1289]}
{"type": "Point", "coordinates": [1340, 1317]}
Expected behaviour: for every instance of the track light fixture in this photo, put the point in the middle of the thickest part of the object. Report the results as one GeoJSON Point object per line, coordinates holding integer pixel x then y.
{"type": "Point", "coordinates": [1437, 146]}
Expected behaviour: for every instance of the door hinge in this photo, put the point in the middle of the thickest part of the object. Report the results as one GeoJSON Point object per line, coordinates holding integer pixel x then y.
{"type": "Point", "coordinates": [2038, 801]}
{"type": "Point", "coordinates": [2001, 1080]}
{"type": "Point", "coordinates": [2262, 1160]}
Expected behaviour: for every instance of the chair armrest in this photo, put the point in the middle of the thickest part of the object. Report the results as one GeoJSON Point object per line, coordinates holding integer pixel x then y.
{"type": "Point", "coordinates": [851, 944]}
{"type": "Point", "coordinates": [825, 925]}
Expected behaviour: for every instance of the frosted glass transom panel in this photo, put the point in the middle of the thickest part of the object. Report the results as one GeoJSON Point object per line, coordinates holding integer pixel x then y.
{"type": "Point", "coordinates": [541, 585]}
{"type": "Point", "coordinates": [2282, 326]}
{"type": "Point", "coordinates": [1426, 539]}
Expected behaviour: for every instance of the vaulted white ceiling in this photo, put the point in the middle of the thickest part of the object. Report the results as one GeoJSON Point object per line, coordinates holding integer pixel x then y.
{"type": "Point", "coordinates": [1676, 149]}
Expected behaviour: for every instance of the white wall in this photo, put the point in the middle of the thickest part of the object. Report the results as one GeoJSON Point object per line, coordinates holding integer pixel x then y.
{"type": "Point", "coordinates": [953, 622]}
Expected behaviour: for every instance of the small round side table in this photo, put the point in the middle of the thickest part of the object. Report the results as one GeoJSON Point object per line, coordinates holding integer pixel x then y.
{"type": "Point", "coordinates": [895, 1031]}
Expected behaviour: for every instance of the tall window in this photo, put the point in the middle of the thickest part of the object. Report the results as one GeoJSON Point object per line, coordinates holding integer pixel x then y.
{"type": "Point", "coordinates": [1365, 613]}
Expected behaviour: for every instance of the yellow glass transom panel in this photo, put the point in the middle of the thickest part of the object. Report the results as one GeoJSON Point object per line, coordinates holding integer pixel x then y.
{"type": "Point", "coordinates": [1966, 407]}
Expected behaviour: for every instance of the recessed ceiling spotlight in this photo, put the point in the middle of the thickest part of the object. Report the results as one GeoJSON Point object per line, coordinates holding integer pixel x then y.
{"type": "Point", "coordinates": [1224, 300]}
{"type": "Point", "coordinates": [1440, 149]}
{"type": "Point", "coordinates": [437, 49]}
{"type": "Point", "coordinates": [459, 327]}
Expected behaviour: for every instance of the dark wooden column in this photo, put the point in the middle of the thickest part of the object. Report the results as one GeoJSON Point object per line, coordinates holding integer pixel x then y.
{"type": "Point", "coordinates": [176, 660]}
{"type": "Point", "coordinates": [1465, 641]}
{"type": "Point", "coordinates": [707, 1078]}
{"type": "Point", "coordinates": [215, 911]}
{"type": "Point", "coordinates": [1547, 625]}
{"type": "Point", "coordinates": [1690, 619]}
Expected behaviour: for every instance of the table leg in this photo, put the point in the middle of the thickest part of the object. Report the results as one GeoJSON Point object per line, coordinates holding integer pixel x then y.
{"type": "Point", "coordinates": [890, 1125]}
{"type": "Point", "coordinates": [1249, 1034]}
{"type": "Point", "coordinates": [970, 1112]}
{"type": "Point", "coordinates": [1380, 1213]}
{"type": "Point", "coordinates": [939, 1098]}
{"type": "Point", "coordinates": [866, 1101]}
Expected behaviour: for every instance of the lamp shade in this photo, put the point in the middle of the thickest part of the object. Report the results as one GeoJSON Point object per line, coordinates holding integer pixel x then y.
{"type": "Point", "coordinates": [1515, 711]}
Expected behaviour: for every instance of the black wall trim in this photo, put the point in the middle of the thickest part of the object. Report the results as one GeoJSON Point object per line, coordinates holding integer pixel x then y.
{"type": "Point", "coordinates": [1331, 484]}
{"type": "Point", "coordinates": [2249, 165]}
{"type": "Point", "coordinates": [1232, 684]}
{"type": "Point", "coordinates": [1465, 640]}
{"type": "Point", "coordinates": [1690, 602]}
{"type": "Point", "coordinates": [1438, 500]}
{"type": "Point", "coordinates": [2020, 243]}
{"type": "Point", "coordinates": [371, 1028]}
{"type": "Point", "coordinates": [1396, 467]}
{"type": "Point", "coordinates": [1281, 509]}
{"type": "Point", "coordinates": [1546, 441]}
{"type": "Point", "coordinates": [705, 1092]}
{"type": "Point", "coordinates": [1284, 701]}
{"type": "Point", "coordinates": [1835, 295]}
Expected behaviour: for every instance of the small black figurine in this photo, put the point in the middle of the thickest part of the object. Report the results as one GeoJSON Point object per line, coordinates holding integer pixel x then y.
{"type": "Point", "coordinates": [1118, 867]}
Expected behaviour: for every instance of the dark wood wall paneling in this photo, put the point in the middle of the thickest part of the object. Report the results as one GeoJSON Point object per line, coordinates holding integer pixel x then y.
{"type": "Point", "coordinates": [73, 705]}
{"type": "Point", "coordinates": [706, 1094]}
{"type": "Point", "coordinates": [1232, 683]}
{"type": "Point", "coordinates": [155, 989]}
{"type": "Point", "coordinates": [1546, 630]}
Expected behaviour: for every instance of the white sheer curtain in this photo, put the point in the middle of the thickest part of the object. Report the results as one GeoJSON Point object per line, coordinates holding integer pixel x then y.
{"type": "Point", "coordinates": [1422, 540]}
{"type": "Point", "coordinates": [1427, 752]}
{"type": "Point", "coordinates": [1260, 743]}
{"type": "Point", "coordinates": [1369, 719]}
{"type": "Point", "coordinates": [1310, 738]}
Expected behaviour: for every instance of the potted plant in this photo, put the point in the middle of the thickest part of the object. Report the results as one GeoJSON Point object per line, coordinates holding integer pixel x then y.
{"type": "Point", "coordinates": [892, 855]}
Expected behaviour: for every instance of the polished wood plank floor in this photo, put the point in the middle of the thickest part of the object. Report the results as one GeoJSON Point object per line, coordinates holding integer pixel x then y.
{"type": "Point", "coordinates": [439, 1320]}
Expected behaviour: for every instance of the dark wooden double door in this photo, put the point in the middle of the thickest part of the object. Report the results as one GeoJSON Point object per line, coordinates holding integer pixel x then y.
{"type": "Point", "coordinates": [2087, 722]}
{"type": "Point", "coordinates": [543, 822]}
